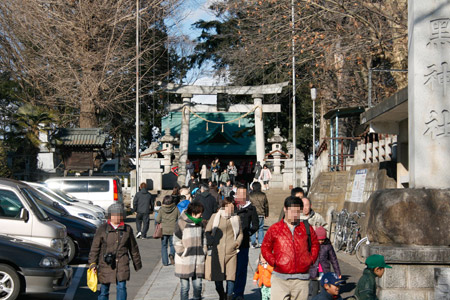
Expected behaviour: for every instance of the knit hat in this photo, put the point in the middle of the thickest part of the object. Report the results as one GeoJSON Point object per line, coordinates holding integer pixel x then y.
{"type": "Point", "coordinates": [321, 233]}
{"type": "Point", "coordinates": [376, 261]}
{"type": "Point", "coordinates": [116, 208]}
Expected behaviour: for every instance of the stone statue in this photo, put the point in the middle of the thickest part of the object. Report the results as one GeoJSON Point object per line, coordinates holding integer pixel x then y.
{"type": "Point", "coordinates": [299, 154]}
{"type": "Point", "coordinates": [152, 148]}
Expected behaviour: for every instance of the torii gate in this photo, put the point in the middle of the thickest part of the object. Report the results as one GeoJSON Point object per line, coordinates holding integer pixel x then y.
{"type": "Point", "coordinates": [257, 93]}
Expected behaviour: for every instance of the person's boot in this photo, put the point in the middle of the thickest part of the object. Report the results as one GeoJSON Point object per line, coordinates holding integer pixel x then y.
{"type": "Point", "coordinates": [172, 260]}
{"type": "Point", "coordinates": [223, 296]}
{"type": "Point", "coordinates": [229, 297]}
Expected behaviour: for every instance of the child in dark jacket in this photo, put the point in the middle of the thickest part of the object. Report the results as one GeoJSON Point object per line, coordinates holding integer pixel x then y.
{"type": "Point", "coordinates": [327, 256]}
{"type": "Point", "coordinates": [331, 284]}
{"type": "Point", "coordinates": [366, 289]}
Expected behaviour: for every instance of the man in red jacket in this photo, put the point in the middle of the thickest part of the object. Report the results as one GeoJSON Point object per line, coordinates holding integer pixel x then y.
{"type": "Point", "coordinates": [285, 247]}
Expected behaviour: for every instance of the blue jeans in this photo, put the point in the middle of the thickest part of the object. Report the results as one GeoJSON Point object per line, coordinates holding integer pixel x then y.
{"type": "Point", "coordinates": [214, 177]}
{"type": "Point", "coordinates": [241, 272]}
{"type": "Point", "coordinates": [260, 232]}
{"type": "Point", "coordinates": [164, 240]}
{"type": "Point", "coordinates": [219, 287]}
{"type": "Point", "coordinates": [184, 288]}
{"type": "Point", "coordinates": [121, 287]}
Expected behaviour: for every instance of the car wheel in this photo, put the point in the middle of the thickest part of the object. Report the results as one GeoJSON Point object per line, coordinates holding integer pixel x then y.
{"type": "Point", "coordinates": [9, 283]}
{"type": "Point", "coordinates": [72, 249]}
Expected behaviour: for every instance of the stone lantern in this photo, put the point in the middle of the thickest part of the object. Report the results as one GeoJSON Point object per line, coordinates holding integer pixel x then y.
{"type": "Point", "coordinates": [167, 142]}
{"type": "Point", "coordinates": [276, 141]}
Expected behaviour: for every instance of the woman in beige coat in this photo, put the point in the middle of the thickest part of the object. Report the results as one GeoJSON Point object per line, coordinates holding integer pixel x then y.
{"type": "Point", "coordinates": [224, 236]}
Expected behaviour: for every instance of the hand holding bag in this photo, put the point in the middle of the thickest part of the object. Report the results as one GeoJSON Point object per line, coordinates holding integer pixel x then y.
{"type": "Point", "coordinates": [92, 279]}
{"type": "Point", "coordinates": [158, 231]}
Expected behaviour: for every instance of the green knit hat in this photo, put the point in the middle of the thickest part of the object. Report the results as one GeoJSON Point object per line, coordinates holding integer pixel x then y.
{"type": "Point", "coordinates": [376, 261]}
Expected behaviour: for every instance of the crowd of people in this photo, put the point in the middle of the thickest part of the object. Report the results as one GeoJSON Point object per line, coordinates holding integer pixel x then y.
{"type": "Point", "coordinates": [206, 232]}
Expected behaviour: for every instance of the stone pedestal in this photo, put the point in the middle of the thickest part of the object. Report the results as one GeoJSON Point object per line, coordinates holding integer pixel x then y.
{"type": "Point", "coordinates": [151, 169]}
{"type": "Point", "coordinates": [418, 272]}
{"type": "Point", "coordinates": [428, 92]}
{"type": "Point", "coordinates": [302, 174]}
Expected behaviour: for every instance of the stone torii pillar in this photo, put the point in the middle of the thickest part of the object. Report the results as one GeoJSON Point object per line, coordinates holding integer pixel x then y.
{"type": "Point", "coordinates": [259, 128]}
{"type": "Point", "coordinates": [184, 137]}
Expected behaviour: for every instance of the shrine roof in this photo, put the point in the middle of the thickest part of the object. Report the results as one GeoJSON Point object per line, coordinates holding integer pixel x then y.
{"type": "Point", "coordinates": [81, 137]}
{"type": "Point", "coordinates": [233, 140]}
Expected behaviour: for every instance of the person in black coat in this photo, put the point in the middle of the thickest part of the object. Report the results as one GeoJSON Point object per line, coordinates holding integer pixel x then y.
{"type": "Point", "coordinates": [208, 201]}
{"type": "Point", "coordinates": [249, 223]}
{"type": "Point", "coordinates": [143, 206]}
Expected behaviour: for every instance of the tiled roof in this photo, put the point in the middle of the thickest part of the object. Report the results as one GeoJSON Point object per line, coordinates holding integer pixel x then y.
{"type": "Point", "coordinates": [75, 137]}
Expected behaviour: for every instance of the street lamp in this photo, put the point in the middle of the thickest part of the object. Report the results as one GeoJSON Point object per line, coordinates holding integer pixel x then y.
{"type": "Point", "coordinates": [313, 98]}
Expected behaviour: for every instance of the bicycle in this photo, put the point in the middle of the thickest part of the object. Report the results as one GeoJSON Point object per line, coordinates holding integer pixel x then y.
{"type": "Point", "coordinates": [354, 231]}
{"type": "Point", "coordinates": [362, 249]}
{"type": "Point", "coordinates": [340, 233]}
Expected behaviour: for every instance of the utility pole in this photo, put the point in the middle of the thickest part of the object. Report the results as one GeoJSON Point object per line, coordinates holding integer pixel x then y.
{"type": "Point", "coordinates": [313, 98]}
{"type": "Point", "coordinates": [294, 131]}
{"type": "Point", "coordinates": [137, 97]}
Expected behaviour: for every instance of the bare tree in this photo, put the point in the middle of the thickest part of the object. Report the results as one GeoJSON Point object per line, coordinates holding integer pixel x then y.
{"type": "Point", "coordinates": [336, 43]}
{"type": "Point", "coordinates": [78, 56]}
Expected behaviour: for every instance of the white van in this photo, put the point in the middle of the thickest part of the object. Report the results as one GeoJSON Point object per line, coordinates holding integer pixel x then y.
{"type": "Point", "coordinates": [102, 191]}
{"type": "Point", "coordinates": [21, 217]}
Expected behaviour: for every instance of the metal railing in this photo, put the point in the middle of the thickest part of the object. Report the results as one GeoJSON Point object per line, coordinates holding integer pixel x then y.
{"type": "Point", "coordinates": [341, 149]}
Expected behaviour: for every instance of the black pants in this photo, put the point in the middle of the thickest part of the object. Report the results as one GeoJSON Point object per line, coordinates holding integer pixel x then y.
{"type": "Point", "coordinates": [142, 218]}
{"type": "Point", "coordinates": [232, 179]}
{"type": "Point", "coordinates": [314, 288]}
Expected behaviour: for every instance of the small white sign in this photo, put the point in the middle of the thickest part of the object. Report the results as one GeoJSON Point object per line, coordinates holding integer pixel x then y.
{"type": "Point", "coordinates": [358, 186]}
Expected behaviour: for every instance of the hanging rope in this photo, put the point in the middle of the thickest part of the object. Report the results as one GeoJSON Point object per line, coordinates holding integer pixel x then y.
{"type": "Point", "coordinates": [224, 122]}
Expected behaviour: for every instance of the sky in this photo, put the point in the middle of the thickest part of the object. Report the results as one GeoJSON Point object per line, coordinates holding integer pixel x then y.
{"type": "Point", "coordinates": [190, 12]}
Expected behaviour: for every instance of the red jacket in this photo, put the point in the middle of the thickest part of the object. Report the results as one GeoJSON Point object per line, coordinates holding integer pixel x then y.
{"type": "Point", "coordinates": [287, 252]}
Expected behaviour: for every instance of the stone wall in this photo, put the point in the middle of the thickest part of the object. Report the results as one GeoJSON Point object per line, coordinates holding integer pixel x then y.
{"type": "Point", "coordinates": [334, 189]}
{"type": "Point", "coordinates": [418, 272]}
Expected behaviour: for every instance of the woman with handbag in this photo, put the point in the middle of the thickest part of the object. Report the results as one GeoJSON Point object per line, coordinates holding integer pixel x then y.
{"type": "Point", "coordinates": [167, 217]}
{"type": "Point", "coordinates": [224, 236]}
{"type": "Point", "coordinates": [113, 244]}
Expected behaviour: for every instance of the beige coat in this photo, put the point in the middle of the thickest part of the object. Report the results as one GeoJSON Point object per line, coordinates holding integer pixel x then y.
{"type": "Point", "coordinates": [221, 264]}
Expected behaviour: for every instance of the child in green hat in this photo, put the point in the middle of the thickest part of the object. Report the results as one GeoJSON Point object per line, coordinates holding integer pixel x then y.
{"type": "Point", "coordinates": [366, 289]}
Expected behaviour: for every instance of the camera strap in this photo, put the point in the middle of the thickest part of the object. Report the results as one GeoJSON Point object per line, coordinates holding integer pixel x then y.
{"type": "Point", "coordinates": [120, 238]}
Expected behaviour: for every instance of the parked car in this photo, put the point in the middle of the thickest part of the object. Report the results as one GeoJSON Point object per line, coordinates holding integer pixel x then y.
{"type": "Point", "coordinates": [102, 191]}
{"type": "Point", "coordinates": [21, 217]}
{"type": "Point", "coordinates": [30, 268]}
{"type": "Point", "coordinates": [80, 233]}
{"type": "Point", "coordinates": [73, 209]}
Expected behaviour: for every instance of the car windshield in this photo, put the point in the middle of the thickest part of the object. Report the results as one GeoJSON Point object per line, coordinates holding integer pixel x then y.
{"type": "Point", "coordinates": [50, 194]}
{"type": "Point", "coordinates": [41, 215]}
{"type": "Point", "coordinates": [63, 195]}
{"type": "Point", "coordinates": [48, 204]}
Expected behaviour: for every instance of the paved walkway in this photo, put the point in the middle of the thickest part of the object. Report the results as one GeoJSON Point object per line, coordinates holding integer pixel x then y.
{"type": "Point", "coordinates": [163, 285]}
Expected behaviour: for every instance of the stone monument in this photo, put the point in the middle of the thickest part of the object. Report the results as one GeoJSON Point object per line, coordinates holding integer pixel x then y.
{"type": "Point", "coordinates": [410, 226]}
{"type": "Point", "coordinates": [429, 93]}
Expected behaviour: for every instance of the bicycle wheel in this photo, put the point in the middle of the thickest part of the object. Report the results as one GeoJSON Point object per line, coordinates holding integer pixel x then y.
{"type": "Point", "coordinates": [352, 241]}
{"type": "Point", "coordinates": [361, 249]}
{"type": "Point", "coordinates": [341, 239]}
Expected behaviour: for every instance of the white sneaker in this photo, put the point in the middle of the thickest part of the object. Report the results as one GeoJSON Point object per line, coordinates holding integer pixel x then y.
{"type": "Point", "coordinates": [138, 235]}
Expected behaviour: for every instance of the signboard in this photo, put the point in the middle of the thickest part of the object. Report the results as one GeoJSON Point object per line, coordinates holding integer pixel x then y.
{"type": "Point", "coordinates": [358, 186]}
